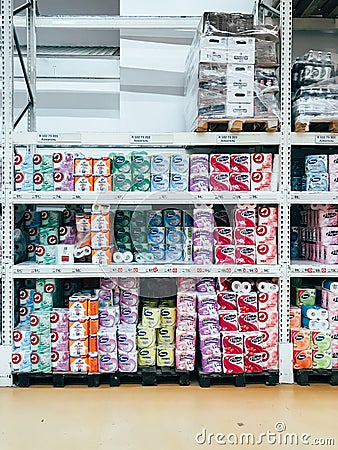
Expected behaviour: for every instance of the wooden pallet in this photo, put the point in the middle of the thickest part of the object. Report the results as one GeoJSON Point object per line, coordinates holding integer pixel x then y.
{"type": "Point", "coordinates": [317, 125]}
{"type": "Point", "coordinates": [269, 378]}
{"type": "Point", "coordinates": [269, 124]}
{"type": "Point", "coordinates": [147, 376]}
{"type": "Point", "coordinates": [304, 377]}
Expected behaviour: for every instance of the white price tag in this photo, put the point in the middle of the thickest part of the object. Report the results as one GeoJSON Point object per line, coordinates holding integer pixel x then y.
{"type": "Point", "coordinates": [59, 137]}
{"type": "Point", "coordinates": [227, 138]}
{"type": "Point", "coordinates": [327, 139]}
{"type": "Point", "coordinates": [151, 139]}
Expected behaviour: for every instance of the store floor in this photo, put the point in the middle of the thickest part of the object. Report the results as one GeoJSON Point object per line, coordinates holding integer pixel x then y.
{"type": "Point", "coordinates": [165, 417]}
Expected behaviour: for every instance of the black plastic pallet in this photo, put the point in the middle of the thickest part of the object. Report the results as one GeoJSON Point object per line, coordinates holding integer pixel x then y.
{"type": "Point", "coordinates": [269, 378]}
{"type": "Point", "coordinates": [304, 377]}
{"type": "Point", "coordinates": [147, 376]}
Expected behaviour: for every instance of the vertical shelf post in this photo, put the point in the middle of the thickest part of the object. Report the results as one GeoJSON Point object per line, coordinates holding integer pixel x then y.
{"type": "Point", "coordinates": [285, 347]}
{"type": "Point", "coordinates": [7, 186]}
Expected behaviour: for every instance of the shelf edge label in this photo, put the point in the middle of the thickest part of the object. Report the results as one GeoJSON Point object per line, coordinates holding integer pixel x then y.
{"type": "Point", "coordinates": [326, 139]}
{"type": "Point", "coordinates": [151, 139]}
{"type": "Point", "coordinates": [227, 138]}
{"type": "Point", "coordinates": [58, 137]}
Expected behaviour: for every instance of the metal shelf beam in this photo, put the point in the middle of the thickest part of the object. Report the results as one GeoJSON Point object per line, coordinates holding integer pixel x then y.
{"type": "Point", "coordinates": [145, 198]}
{"type": "Point", "coordinates": [26, 270]}
{"type": "Point", "coordinates": [112, 22]}
{"type": "Point", "coordinates": [155, 139]}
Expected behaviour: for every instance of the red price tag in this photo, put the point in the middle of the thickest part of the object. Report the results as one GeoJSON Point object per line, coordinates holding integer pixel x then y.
{"type": "Point", "coordinates": [309, 269]}
{"type": "Point", "coordinates": [175, 270]}
{"type": "Point", "coordinates": [136, 269]}
{"type": "Point", "coordinates": [155, 269]}
{"type": "Point", "coordinates": [323, 269]}
{"type": "Point", "coordinates": [120, 269]}
{"type": "Point", "coordinates": [199, 269]}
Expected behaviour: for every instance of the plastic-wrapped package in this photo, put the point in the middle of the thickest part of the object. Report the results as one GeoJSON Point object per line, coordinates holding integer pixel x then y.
{"type": "Point", "coordinates": [315, 89]}
{"type": "Point", "coordinates": [222, 81]}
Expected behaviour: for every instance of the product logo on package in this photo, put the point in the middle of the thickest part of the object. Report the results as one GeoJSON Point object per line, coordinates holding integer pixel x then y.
{"type": "Point", "coordinates": [19, 177]}
{"type": "Point", "coordinates": [257, 177]}
{"type": "Point", "coordinates": [58, 177]}
{"type": "Point", "coordinates": [16, 358]}
{"type": "Point", "coordinates": [37, 159]}
{"type": "Point", "coordinates": [40, 251]}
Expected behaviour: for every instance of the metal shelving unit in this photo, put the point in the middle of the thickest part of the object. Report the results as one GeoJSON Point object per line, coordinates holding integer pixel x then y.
{"type": "Point", "coordinates": [283, 198]}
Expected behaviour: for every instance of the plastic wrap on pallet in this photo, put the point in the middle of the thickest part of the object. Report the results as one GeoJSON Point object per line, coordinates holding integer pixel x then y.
{"type": "Point", "coordinates": [232, 71]}
{"type": "Point", "coordinates": [314, 88]}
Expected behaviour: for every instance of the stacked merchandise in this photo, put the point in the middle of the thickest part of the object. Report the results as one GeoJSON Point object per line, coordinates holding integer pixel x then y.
{"type": "Point", "coordinates": [231, 70]}
{"type": "Point", "coordinates": [317, 237]}
{"type": "Point", "coordinates": [32, 337]}
{"type": "Point", "coordinates": [156, 333]}
{"type": "Point", "coordinates": [204, 235]}
{"type": "Point", "coordinates": [96, 333]}
{"type": "Point", "coordinates": [185, 351]}
{"type": "Point", "coordinates": [153, 236]}
{"type": "Point", "coordinates": [238, 325]}
{"type": "Point", "coordinates": [142, 171]}
{"type": "Point", "coordinates": [249, 238]}
{"type": "Point", "coordinates": [317, 173]}
{"type": "Point", "coordinates": [314, 88]}
{"type": "Point", "coordinates": [51, 236]}
{"type": "Point", "coordinates": [314, 326]}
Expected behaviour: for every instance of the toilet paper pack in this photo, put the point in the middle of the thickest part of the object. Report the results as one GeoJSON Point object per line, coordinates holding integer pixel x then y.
{"type": "Point", "coordinates": [245, 236]}
{"type": "Point", "coordinates": [227, 301]}
{"type": "Point", "coordinates": [24, 181]}
{"type": "Point", "coordinates": [21, 338]}
{"type": "Point", "coordinates": [179, 164]}
{"type": "Point", "coordinates": [185, 360]}
{"type": "Point", "coordinates": [261, 162]}
{"type": "Point", "coordinates": [240, 163]}
{"type": "Point", "coordinates": [165, 355]}
{"type": "Point", "coordinates": [245, 254]}
{"type": "Point", "coordinates": [46, 254]}
{"type": "Point", "coordinates": [267, 318]}
{"type": "Point", "coordinates": [302, 359]}
{"type": "Point", "coordinates": [108, 362]}
{"type": "Point", "coordinates": [220, 182]}
{"type": "Point", "coordinates": [212, 363]}
{"type": "Point", "coordinates": [59, 320]}
{"type": "Point", "coordinates": [245, 217]}
{"type": "Point", "coordinates": [41, 362]}
{"type": "Point", "coordinates": [185, 341]}
{"type": "Point", "coordinates": [21, 361]}
{"type": "Point", "coordinates": [39, 322]}
{"type": "Point", "coordinates": [219, 162]}
{"type": "Point", "coordinates": [223, 235]}
{"type": "Point", "coordinates": [146, 337]}
{"type": "Point", "coordinates": [268, 216]}
{"type": "Point", "coordinates": [63, 181]}
{"type": "Point", "coordinates": [59, 340]}
{"type": "Point", "coordinates": [166, 335]}
{"type": "Point", "coordinates": [79, 364]}
{"type": "Point", "coordinates": [232, 343]}
{"type": "Point", "coordinates": [146, 357]}
{"type": "Point", "coordinates": [321, 340]}
{"type": "Point", "coordinates": [240, 182]}
{"type": "Point", "coordinates": [127, 362]}
{"type": "Point", "coordinates": [60, 361]}
{"type": "Point", "coordinates": [321, 359]}
{"type": "Point", "coordinates": [248, 322]}
{"type": "Point", "coordinates": [78, 347]}
{"type": "Point", "coordinates": [233, 363]}
{"type": "Point", "coordinates": [228, 320]}
{"type": "Point", "coordinates": [247, 303]}
{"type": "Point", "coordinates": [301, 339]}
{"type": "Point", "coordinates": [199, 164]}
{"type": "Point", "coordinates": [253, 363]}
{"type": "Point", "coordinates": [261, 181]}
{"type": "Point", "coordinates": [270, 358]}
{"type": "Point", "coordinates": [41, 343]}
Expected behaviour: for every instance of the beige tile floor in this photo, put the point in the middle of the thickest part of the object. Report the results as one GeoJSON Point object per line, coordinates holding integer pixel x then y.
{"type": "Point", "coordinates": [165, 417]}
